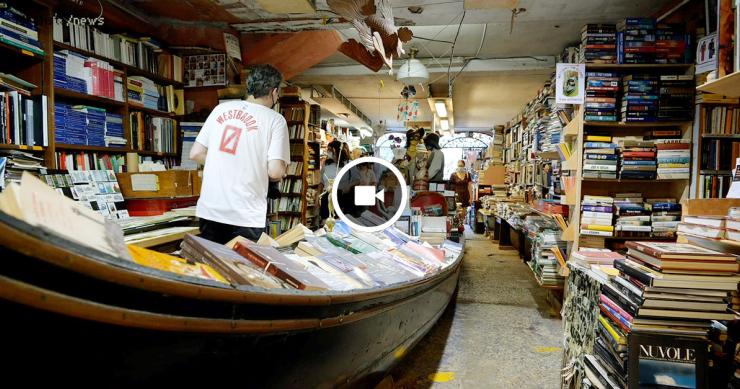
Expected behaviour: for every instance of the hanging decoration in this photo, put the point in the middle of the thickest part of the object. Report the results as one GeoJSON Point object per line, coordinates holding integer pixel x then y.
{"type": "Point", "coordinates": [408, 111]}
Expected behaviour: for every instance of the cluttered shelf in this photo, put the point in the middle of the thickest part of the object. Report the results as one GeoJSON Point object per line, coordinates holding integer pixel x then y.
{"type": "Point", "coordinates": [4, 146]}
{"type": "Point", "coordinates": [636, 124]}
{"type": "Point", "coordinates": [19, 52]}
{"type": "Point", "coordinates": [634, 180]}
{"type": "Point", "coordinates": [119, 150]}
{"type": "Point", "coordinates": [721, 136]}
{"type": "Point", "coordinates": [72, 95]}
{"type": "Point", "coordinates": [130, 70]}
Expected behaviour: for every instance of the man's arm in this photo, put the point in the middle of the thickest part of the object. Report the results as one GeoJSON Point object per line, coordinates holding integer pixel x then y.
{"type": "Point", "coordinates": [198, 153]}
{"type": "Point", "coordinates": [436, 164]}
{"type": "Point", "coordinates": [276, 169]}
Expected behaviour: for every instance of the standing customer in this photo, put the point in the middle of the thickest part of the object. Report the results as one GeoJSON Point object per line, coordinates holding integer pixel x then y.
{"type": "Point", "coordinates": [243, 145]}
{"type": "Point", "coordinates": [462, 183]}
{"type": "Point", "coordinates": [336, 158]}
{"type": "Point", "coordinates": [436, 162]}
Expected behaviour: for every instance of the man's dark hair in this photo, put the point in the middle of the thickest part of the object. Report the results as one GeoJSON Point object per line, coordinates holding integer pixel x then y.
{"type": "Point", "coordinates": [431, 141]}
{"type": "Point", "coordinates": [262, 80]}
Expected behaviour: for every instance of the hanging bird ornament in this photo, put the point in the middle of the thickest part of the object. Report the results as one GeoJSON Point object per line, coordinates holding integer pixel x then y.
{"type": "Point", "coordinates": [380, 39]}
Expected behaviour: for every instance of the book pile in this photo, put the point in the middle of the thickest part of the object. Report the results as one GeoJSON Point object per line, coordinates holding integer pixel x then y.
{"type": "Point", "coordinates": [114, 136]}
{"type": "Point", "coordinates": [599, 157]}
{"type": "Point", "coordinates": [637, 159]}
{"type": "Point", "coordinates": [676, 97]}
{"type": "Point", "coordinates": [672, 44]}
{"type": "Point", "coordinates": [664, 217]}
{"type": "Point", "coordinates": [674, 158]}
{"type": "Point", "coordinates": [80, 125]}
{"type": "Point", "coordinates": [712, 227]}
{"type": "Point", "coordinates": [599, 43]}
{"type": "Point", "coordinates": [145, 92]}
{"type": "Point", "coordinates": [660, 290]}
{"type": "Point", "coordinates": [588, 257]}
{"type": "Point", "coordinates": [602, 89]}
{"type": "Point", "coordinates": [13, 163]}
{"type": "Point", "coordinates": [596, 216]}
{"type": "Point", "coordinates": [633, 217]}
{"type": "Point", "coordinates": [640, 98]}
{"type": "Point", "coordinates": [636, 41]}
{"type": "Point", "coordinates": [70, 80]}
{"type": "Point", "coordinates": [732, 231]}
{"type": "Point", "coordinates": [19, 30]}
{"type": "Point", "coordinates": [545, 249]}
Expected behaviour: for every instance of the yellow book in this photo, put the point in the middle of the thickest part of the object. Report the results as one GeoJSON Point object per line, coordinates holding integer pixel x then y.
{"type": "Point", "coordinates": [598, 138]}
{"type": "Point", "coordinates": [672, 165]}
{"type": "Point", "coordinates": [169, 263]}
{"type": "Point", "coordinates": [614, 333]}
{"type": "Point", "coordinates": [596, 227]}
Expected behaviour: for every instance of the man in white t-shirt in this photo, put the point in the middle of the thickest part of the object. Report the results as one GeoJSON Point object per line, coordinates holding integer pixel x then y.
{"type": "Point", "coordinates": [243, 145]}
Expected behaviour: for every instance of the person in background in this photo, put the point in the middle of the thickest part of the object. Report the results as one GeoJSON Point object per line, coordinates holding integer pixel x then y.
{"type": "Point", "coordinates": [243, 145]}
{"type": "Point", "coordinates": [436, 161]}
{"type": "Point", "coordinates": [462, 184]}
{"type": "Point", "coordinates": [336, 158]}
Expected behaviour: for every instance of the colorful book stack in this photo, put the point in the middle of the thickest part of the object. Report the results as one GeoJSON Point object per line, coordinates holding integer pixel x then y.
{"type": "Point", "coordinates": [720, 120]}
{"type": "Point", "coordinates": [711, 227]}
{"type": "Point", "coordinates": [600, 158]}
{"type": "Point", "coordinates": [674, 158]}
{"type": "Point", "coordinates": [637, 160]}
{"type": "Point", "coordinates": [672, 44]}
{"type": "Point", "coordinates": [79, 124]}
{"type": "Point", "coordinates": [596, 216]}
{"type": "Point", "coordinates": [640, 98]}
{"type": "Point", "coordinates": [676, 97]}
{"type": "Point", "coordinates": [546, 248]}
{"type": "Point", "coordinates": [599, 43]}
{"type": "Point", "coordinates": [149, 92]}
{"type": "Point", "coordinates": [602, 89]}
{"type": "Point", "coordinates": [665, 214]}
{"type": "Point", "coordinates": [19, 30]}
{"type": "Point", "coordinates": [636, 41]}
{"type": "Point", "coordinates": [633, 217]}
{"type": "Point", "coordinates": [114, 136]}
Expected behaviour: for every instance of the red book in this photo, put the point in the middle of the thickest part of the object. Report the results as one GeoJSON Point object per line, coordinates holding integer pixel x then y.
{"type": "Point", "coordinates": [606, 300]}
{"type": "Point", "coordinates": [614, 319]}
{"type": "Point", "coordinates": [673, 146]}
{"type": "Point", "coordinates": [638, 154]}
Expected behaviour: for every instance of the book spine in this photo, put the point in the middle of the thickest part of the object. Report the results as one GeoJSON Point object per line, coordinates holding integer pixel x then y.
{"type": "Point", "coordinates": [645, 279]}
{"type": "Point", "coordinates": [616, 308]}
{"type": "Point", "coordinates": [267, 266]}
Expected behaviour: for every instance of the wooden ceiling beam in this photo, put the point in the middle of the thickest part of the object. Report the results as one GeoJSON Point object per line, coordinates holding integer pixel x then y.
{"type": "Point", "coordinates": [291, 53]}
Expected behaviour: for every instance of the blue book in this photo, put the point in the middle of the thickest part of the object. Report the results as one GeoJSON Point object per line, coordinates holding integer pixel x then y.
{"type": "Point", "coordinates": [599, 145]}
{"type": "Point", "coordinates": [639, 163]}
{"type": "Point", "coordinates": [608, 157]}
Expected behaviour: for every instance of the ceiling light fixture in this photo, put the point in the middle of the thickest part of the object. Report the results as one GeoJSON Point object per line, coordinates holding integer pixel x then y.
{"type": "Point", "coordinates": [441, 108]}
{"type": "Point", "coordinates": [445, 124]}
{"type": "Point", "coordinates": [413, 71]}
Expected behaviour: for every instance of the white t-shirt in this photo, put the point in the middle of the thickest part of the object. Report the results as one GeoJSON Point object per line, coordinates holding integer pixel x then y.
{"type": "Point", "coordinates": [241, 138]}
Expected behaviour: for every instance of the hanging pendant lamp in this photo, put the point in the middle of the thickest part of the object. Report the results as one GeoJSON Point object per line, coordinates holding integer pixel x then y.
{"type": "Point", "coordinates": [413, 72]}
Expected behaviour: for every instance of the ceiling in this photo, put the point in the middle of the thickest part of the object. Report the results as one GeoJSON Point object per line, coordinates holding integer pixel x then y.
{"type": "Point", "coordinates": [485, 94]}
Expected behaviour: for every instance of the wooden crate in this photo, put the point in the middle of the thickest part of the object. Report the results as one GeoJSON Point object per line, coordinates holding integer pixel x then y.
{"type": "Point", "coordinates": [197, 182]}
{"type": "Point", "coordinates": [170, 184]}
{"type": "Point", "coordinates": [708, 207]}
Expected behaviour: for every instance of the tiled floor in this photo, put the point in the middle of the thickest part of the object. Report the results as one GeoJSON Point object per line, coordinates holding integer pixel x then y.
{"type": "Point", "coordinates": [501, 333]}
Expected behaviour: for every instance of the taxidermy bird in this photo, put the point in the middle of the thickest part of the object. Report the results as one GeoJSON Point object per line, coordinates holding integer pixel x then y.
{"type": "Point", "coordinates": [380, 39]}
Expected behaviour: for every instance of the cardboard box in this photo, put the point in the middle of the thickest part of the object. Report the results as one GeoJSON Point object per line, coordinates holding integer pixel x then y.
{"type": "Point", "coordinates": [708, 207]}
{"type": "Point", "coordinates": [197, 182]}
{"type": "Point", "coordinates": [154, 185]}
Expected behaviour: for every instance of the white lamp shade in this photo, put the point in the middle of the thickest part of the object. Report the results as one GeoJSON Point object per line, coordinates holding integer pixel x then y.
{"type": "Point", "coordinates": [413, 72]}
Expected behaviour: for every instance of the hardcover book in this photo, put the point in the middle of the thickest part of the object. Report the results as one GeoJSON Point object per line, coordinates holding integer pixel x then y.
{"type": "Point", "coordinates": [658, 361]}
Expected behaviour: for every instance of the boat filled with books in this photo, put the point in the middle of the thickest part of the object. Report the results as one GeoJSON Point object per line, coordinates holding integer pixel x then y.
{"type": "Point", "coordinates": [337, 307]}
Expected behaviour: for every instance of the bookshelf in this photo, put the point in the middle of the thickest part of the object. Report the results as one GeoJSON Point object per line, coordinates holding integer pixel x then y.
{"type": "Point", "coordinates": [728, 85]}
{"type": "Point", "coordinates": [717, 144]}
{"type": "Point", "coordinates": [677, 188]}
{"type": "Point", "coordinates": [40, 70]}
{"type": "Point", "coordinates": [303, 130]}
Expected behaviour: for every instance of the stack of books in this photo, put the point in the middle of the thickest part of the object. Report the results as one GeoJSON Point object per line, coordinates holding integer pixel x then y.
{"type": "Point", "coordinates": [149, 92]}
{"type": "Point", "coordinates": [90, 161]}
{"type": "Point", "coordinates": [633, 217]}
{"type": "Point", "coordinates": [70, 124]}
{"type": "Point", "coordinates": [114, 136]}
{"type": "Point", "coordinates": [674, 158]}
{"type": "Point", "coordinates": [602, 89]}
{"type": "Point", "coordinates": [599, 158]}
{"type": "Point", "coordinates": [19, 30]}
{"type": "Point", "coordinates": [599, 43]}
{"type": "Point", "coordinates": [672, 44]}
{"type": "Point", "coordinates": [665, 214]}
{"type": "Point", "coordinates": [13, 163]}
{"type": "Point", "coordinates": [636, 41]}
{"type": "Point", "coordinates": [640, 98]}
{"type": "Point", "coordinates": [95, 124]}
{"type": "Point", "coordinates": [732, 225]}
{"type": "Point", "coordinates": [712, 227]}
{"type": "Point", "coordinates": [676, 97]}
{"type": "Point", "coordinates": [637, 160]}
{"type": "Point", "coordinates": [70, 72]}
{"type": "Point", "coordinates": [597, 213]}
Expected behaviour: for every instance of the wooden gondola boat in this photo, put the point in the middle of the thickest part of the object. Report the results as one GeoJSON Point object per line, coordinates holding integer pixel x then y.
{"type": "Point", "coordinates": [71, 314]}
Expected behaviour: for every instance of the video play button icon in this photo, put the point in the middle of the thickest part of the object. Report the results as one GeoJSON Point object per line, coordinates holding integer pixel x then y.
{"type": "Point", "coordinates": [369, 194]}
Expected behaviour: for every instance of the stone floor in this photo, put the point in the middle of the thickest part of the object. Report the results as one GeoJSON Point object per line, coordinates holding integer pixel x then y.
{"type": "Point", "coordinates": [500, 333]}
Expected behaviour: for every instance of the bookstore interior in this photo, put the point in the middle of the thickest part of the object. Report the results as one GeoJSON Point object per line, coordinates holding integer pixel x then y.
{"type": "Point", "coordinates": [370, 193]}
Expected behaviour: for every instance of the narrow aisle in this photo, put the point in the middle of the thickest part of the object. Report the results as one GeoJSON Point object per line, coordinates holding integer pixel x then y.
{"type": "Point", "coordinates": [500, 334]}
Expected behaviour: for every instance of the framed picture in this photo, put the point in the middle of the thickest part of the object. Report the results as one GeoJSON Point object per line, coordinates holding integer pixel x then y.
{"type": "Point", "coordinates": [205, 70]}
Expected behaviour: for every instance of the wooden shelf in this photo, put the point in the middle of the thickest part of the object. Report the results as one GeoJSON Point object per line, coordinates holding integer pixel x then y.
{"type": "Point", "coordinates": [20, 53]}
{"type": "Point", "coordinates": [635, 124]}
{"type": "Point", "coordinates": [721, 136]}
{"type": "Point", "coordinates": [130, 70]}
{"type": "Point", "coordinates": [633, 180]}
{"type": "Point", "coordinates": [629, 66]}
{"type": "Point", "coordinates": [548, 155]}
{"type": "Point", "coordinates": [117, 150]}
{"type": "Point", "coordinates": [154, 153]}
{"type": "Point", "coordinates": [150, 111]}
{"type": "Point", "coordinates": [72, 95]}
{"type": "Point", "coordinates": [4, 146]}
{"type": "Point", "coordinates": [728, 85]}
